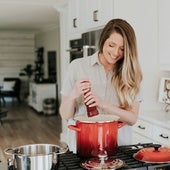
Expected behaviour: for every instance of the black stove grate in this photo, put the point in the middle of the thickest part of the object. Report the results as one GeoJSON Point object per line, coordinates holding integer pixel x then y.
{"type": "Point", "coordinates": [71, 161]}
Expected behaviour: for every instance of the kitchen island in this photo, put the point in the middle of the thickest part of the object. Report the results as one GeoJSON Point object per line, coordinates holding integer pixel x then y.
{"type": "Point", "coordinates": [39, 92]}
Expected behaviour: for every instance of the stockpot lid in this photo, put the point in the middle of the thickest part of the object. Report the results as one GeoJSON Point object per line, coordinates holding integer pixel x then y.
{"type": "Point", "coordinates": [101, 118]}
{"type": "Point", "coordinates": [155, 154]}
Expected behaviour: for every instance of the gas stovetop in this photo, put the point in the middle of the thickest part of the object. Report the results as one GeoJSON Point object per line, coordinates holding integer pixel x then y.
{"type": "Point", "coordinates": [71, 161]}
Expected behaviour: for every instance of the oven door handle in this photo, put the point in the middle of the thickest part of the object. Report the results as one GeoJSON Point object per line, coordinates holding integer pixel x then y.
{"type": "Point", "coordinates": [74, 50]}
{"type": "Point", "coordinates": [89, 47]}
{"type": "Point", "coordinates": [86, 49]}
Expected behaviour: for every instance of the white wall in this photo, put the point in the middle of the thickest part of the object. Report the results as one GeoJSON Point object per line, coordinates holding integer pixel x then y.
{"type": "Point", "coordinates": [16, 51]}
{"type": "Point", "coordinates": [143, 16]}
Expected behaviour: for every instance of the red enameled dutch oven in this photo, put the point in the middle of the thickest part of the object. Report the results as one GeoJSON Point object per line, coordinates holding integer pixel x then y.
{"type": "Point", "coordinates": [155, 154]}
{"type": "Point", "coordinates": [95, 134]}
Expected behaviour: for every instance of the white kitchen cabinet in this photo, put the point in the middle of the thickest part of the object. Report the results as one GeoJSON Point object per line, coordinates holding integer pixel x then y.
{"type": "Point", "coordinates": [151, 129]}
{"type": "Point", "coordinates": [142, 132]}
{"type": "Point", "coordinates": [161, 135]}
{"type": "Point", "coordinates": [86, 14]}
{"type": "Point", "coordinates": [39, 92]}
{"type": "Point", "coordinates": [138, 138]}
{"type": "Point", "coordinates": [143, 127]}
{"type": "Point", "coordinates": [99, 12]}
{"type": "Point", "coordinates": [76, 16]}
{"type": "Point", "coordinates": [164, 34]}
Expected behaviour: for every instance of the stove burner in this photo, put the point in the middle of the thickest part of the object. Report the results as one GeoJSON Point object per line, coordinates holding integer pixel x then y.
{"type": "Point", "coordinates": [71, 161]}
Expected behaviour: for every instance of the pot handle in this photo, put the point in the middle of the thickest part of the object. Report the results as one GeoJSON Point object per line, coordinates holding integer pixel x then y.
{"type": "Point", "coordinates": [74, 127]}
{"type": "Point", "coordinates": [9, 151]}
{"type": "Point", "coordinates": [63, 148]}
{"type": "Point", "coordinates": [121, 124]}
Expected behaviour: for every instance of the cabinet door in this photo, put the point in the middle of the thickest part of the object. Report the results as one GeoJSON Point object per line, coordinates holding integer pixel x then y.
{"type": "Point", "coordinates": [164, 34]}
{"type": "Point", "coordinates": [142, 132]}
{"type": "Point", "coordinates": [32, 94]}
{"type": "Point", "coordinates": [143, 128]}
{"type": "Point", "coordinates": [73, 15]}
{"type": "Point", "coordinates": [86, 14]}
{"type": "Point", "coordinates": [138, 138]}
{"type": "Point", "coordinates": [77, 16]}
{"type": "Point", "coordinates": [161, 135]}
{"type": "Point", "coordinates": [99, 12]}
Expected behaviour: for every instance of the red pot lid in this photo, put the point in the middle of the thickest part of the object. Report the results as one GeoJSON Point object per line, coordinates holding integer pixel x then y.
{"type": "Point", "coordinates": [153, 155]}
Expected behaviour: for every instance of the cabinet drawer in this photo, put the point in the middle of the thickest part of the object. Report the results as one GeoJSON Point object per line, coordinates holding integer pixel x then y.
{"type": "Point", "coordinates": [161, 135]}
{"type": "Point", "coordinates": [138, 138]}
{"type": "Point", "coordinates": [143, 128]}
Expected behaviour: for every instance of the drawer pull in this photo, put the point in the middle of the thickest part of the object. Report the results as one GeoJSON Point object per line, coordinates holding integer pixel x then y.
{"type": "Point", "coordinates": [95, 15]}
{"type": "Point", "coordinates": [164, 136]}
{"type": "Point", "coordinates": [141, 127]}
{"type": "Point", "coordinates": [75, 22]}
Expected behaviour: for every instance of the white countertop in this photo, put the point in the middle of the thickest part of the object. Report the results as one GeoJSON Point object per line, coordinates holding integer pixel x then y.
{"type": "Point", "coordinates": [159, 117]}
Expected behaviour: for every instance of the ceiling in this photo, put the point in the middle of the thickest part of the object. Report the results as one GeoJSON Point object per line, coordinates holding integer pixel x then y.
{"type": "Point", "coordinates": [30, 15]}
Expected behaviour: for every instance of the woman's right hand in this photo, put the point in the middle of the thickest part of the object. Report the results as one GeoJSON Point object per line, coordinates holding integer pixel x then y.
{"type": "Point", "coordinates": [81, 87]}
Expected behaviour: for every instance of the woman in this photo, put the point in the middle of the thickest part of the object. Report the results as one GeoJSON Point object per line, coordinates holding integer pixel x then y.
{"type": "Point", "coordinates": [114, 76]}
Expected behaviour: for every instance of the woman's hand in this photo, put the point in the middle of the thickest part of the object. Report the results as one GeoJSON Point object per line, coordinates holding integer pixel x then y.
{"type": "Point", "coordinates": [67, 106]}
{"type": "Point", "coordinates": [81, 87]}
{"type": "Point", "coordinates": [92, 99]}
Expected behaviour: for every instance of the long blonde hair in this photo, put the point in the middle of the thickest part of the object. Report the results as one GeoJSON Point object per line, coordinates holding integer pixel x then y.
{"type": "Point", "coordinates": [127, 74]}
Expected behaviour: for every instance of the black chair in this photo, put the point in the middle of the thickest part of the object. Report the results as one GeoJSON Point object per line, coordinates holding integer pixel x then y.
{"type": "Point", "coordinates": [15, 93]}
{"type": "Point", "coordinates": [3, 113]}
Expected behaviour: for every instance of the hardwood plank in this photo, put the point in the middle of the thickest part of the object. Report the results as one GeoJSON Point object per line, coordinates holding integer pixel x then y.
{"type": "Point", "coordinates": [24, 126]}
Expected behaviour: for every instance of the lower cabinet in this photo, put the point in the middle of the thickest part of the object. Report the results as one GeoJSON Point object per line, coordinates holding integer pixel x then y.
{"type": "Point", "coordinates": [138, 138]}
{"type": "Point", "coordinates": [161, 135]}
{"type": "Point", "coordinates": [39, 92]}
{"type": "Point", "coordinates": [142, 132]}
{"type": "Point", "coordinates": [145, 131]}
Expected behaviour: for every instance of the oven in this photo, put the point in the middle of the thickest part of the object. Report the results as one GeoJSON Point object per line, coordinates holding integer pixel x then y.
{"type": "Point", "coordinates": [71, 161]}
{"type": "Point", "coordinates": [76, 49]}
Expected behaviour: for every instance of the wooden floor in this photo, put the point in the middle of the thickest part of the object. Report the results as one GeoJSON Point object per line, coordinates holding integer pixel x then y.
{"type": "Point", "coordinates": [24, 126]}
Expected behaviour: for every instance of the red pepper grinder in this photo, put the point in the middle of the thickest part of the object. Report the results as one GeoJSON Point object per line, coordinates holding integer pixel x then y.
{"type": "Point", "coordinates": [91, 111]}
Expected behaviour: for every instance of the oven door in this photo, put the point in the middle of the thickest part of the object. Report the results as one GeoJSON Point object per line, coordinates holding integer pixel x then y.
{"type": "Point", "coordinates": [76, 49]}
{"type": "Point", "coordinates": [76, 53]}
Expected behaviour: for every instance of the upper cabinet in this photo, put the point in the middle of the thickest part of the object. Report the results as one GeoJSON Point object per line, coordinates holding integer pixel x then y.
{"type": "Point", "coordinates": [164, 34]}
{"type": "Point", "coordinates": [76, 16]}
{"type": "Point", "coordinates": [85, 15]}
{"type": "Point", "coordinates": [99, 12]}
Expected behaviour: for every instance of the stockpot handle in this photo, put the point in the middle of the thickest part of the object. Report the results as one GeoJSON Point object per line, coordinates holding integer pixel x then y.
{"type": "Point", "coordinates": [121, 124]}
{"type": "Point", "coordinates": [9, 151]}
{"type": "Point", "coordinates": [74, 127]}
{"type": "Point", "coordinates": [63, 148]}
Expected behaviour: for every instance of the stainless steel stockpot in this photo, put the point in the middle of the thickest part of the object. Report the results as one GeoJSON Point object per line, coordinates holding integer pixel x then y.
{"type": "Point", "coordinates": [36, 156]}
